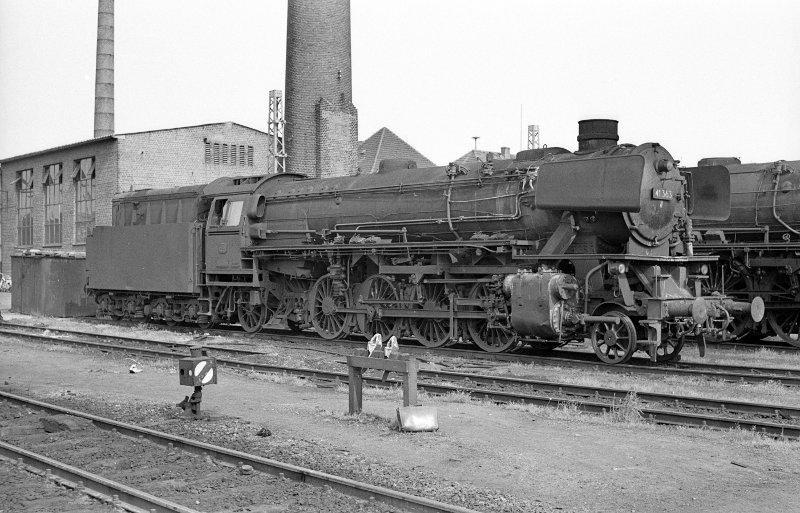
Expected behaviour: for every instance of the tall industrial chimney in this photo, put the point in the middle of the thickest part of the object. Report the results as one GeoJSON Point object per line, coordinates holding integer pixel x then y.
{"type": "Point", "coordinates": [321, 131]}
{"type": "Point", "coordinates": [104, 75]}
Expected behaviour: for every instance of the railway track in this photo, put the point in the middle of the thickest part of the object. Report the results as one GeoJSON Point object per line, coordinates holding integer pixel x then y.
{"type": "Point", "coordinates": [732, 373]}
{"type": "Point", "coordinates": [775, 420]}
{"type": "Point", "coordinates": [184, 470]}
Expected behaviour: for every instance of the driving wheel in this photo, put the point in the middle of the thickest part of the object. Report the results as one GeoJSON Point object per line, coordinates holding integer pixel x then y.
{"type": "Point", "coordinates": [375, 288]}
{"type": "Point", "coordinates": [431, 332]}
{"type": "Point", "coordinates": [490, 338]}
{"type": "Point", "coordinates": [327, 298]}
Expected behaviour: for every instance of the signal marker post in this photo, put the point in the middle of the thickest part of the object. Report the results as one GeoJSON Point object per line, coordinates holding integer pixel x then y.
{"type": "Point", "coordinates": [196, 371]}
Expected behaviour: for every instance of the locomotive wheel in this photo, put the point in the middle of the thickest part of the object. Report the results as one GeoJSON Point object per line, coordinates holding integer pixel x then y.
{"type": "Point", "coordinates": [251, 317]}
{"type": "Point", "coordinates": [104, 305]}
{"type": "Point", "coordinates": [159, 309]}
{"type": "Point", "coordinates": [378, 287]}
{"type": "Point", "coordinates": [670, 349]}
{"type": "Point", "coordinates": [116, 311]}
{"type": "Point", "coordinates": [204, 322]}
{"type": "Point", "coordinates": [326, 318]}
{"type": "Point", "coordinates": [494, 339]}
{"type": "Point", "coordinates": [736, 285]}
{"type": "Point", "coordinates": [785, 322]}
{"type": "Point", "coordinates": [614, 343]}
{"type": "Point", "coordinates": [431, 332]}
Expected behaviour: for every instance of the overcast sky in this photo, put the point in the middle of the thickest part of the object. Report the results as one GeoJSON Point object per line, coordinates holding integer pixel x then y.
{"type": "Point", "coordinates": [703, 78]}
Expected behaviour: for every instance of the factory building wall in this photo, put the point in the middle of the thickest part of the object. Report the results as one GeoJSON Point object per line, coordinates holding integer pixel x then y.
{"type": "Point", "coordinates": [104, 153]}
{"type": "Point", "coordinates": [190, 155]}
{"type": "Point", "coordinates": [144, 160]}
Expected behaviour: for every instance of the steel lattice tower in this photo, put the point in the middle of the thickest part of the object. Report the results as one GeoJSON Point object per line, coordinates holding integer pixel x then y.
{"type": "Point", "coordinates": [533, 137]}
{"type": "Point", "coordinates": [277, 154]}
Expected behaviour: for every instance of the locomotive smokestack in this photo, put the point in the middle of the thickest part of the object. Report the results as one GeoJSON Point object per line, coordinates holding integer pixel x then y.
{"type": "Point", "coordinates": [104, 75]}
{"type": "Point", "coordinates": [596, 134]}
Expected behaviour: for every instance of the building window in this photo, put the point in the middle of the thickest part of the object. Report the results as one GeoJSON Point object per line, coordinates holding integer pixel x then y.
{"type": "Point", "coordinates": [24, 183]}
{"type": "Point", "coordinates": [228, 154]}
{"type": "Point", "coordinates": [52, 180]}
{"type": "Point", "coordinates": [84, 176]}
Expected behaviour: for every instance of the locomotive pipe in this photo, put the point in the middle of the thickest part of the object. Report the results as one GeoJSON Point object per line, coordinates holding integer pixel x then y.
{"type": "Point", "coordinates": [600, 318]}
{"type": "Point", "coordinates": [775, 204]}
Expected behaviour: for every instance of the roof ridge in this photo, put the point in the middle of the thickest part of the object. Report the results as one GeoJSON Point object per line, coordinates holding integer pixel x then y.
{"type": "Point", "coordinates": [378, 151]}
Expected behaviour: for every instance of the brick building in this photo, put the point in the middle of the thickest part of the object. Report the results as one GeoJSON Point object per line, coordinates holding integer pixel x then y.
{"type": "Point", "coordinates": [51, 199]}
{"type": "Point", "coordinates": [473, 156]}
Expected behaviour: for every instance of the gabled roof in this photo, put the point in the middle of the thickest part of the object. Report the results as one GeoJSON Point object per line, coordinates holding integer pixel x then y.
{"type": "Point", "coordinates": [115, 136]}
{"type": "Point", "coordinates": [385, 144]}
{"type": "Point", "coordinates": [58, 148]}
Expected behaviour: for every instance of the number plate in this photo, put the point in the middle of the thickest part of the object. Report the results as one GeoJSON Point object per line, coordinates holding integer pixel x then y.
{"type": "Point", "coordinates": [662, 194]}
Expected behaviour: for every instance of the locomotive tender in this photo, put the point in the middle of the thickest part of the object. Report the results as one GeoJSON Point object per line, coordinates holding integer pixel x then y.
{"type": "Point", "coordinates": [758, 245]}
{"type": "Point", "coordinates": [548, 248]}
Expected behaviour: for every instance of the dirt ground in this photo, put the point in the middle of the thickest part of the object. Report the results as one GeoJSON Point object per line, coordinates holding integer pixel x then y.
{"type": "Point", "coordinates": [574, 463]}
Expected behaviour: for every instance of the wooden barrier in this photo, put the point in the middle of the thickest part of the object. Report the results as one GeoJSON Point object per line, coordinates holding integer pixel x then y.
{"type": "Point", "coordinates": [400, 363]}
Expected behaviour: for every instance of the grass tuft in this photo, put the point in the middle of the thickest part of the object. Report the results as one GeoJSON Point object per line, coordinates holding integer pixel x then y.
{"type": "Point", "coordinates": [629, 411]}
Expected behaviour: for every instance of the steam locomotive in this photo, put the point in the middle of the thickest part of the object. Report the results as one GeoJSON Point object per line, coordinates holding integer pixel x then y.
{"type": "Point", "coordinates": [759, 245]}
{"type": "Point", "coordinates": [548, 248]}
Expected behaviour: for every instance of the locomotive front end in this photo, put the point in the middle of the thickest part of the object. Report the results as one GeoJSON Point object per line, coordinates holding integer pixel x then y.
{"type": "Point", "coordinates": [642, 287]}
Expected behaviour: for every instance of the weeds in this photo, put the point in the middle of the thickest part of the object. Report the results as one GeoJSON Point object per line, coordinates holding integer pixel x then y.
{"type": "Point", "coordinates": [629, 411]}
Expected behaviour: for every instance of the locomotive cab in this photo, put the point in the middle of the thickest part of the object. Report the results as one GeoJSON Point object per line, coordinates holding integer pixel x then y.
{"type": "Point", "coordinates": [223, 233]}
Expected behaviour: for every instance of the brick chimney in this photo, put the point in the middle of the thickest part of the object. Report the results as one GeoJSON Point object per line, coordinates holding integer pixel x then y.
{"type": "Point", "coordinates": [321, 133]}
{"type": "Point", "coordinates": [104, 75]}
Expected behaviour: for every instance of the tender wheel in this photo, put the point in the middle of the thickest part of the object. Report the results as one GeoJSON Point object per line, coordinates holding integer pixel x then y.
{"type": "Point", "coordinates": [326, 300]}
{"type": "Point", "coordinates": [115, 310]}
{"type": "Point", "coordinates": [614, 342]}
{"type": "Point", "coordinates": [161, 310]}
{"type": "Point", "coordinates": [670, 349]}
{"type": "Point", "coordinates": [251, 317]}
{"type": "Point", "coordinates": [494, 339]}
{"type": "Point", "coordinates": [379, 287]}
{"type": "Point", "coordinates": [205, 323]}
{"type": "Point", "coordinates": [104, 305]}
{"type": "Point", "coordinates": [737, 285]}
{"type": "Point", "coordinates": [431, 332]}
{"type": "Point", "coordinates": [194, 308]}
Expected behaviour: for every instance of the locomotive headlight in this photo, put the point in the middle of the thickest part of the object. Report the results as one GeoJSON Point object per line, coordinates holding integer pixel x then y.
{"type": "Point", "coordinates": [704, 269]}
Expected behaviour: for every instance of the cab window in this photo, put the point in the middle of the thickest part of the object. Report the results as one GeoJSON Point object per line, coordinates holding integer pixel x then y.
{"type": "Point", "coordinates": [226, 212]}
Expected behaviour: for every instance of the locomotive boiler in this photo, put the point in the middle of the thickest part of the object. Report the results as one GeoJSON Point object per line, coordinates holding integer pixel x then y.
{"type": "Point", "coordinates": [758, 245]}
{"type": "Point", "coordinates": [548, 248]}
